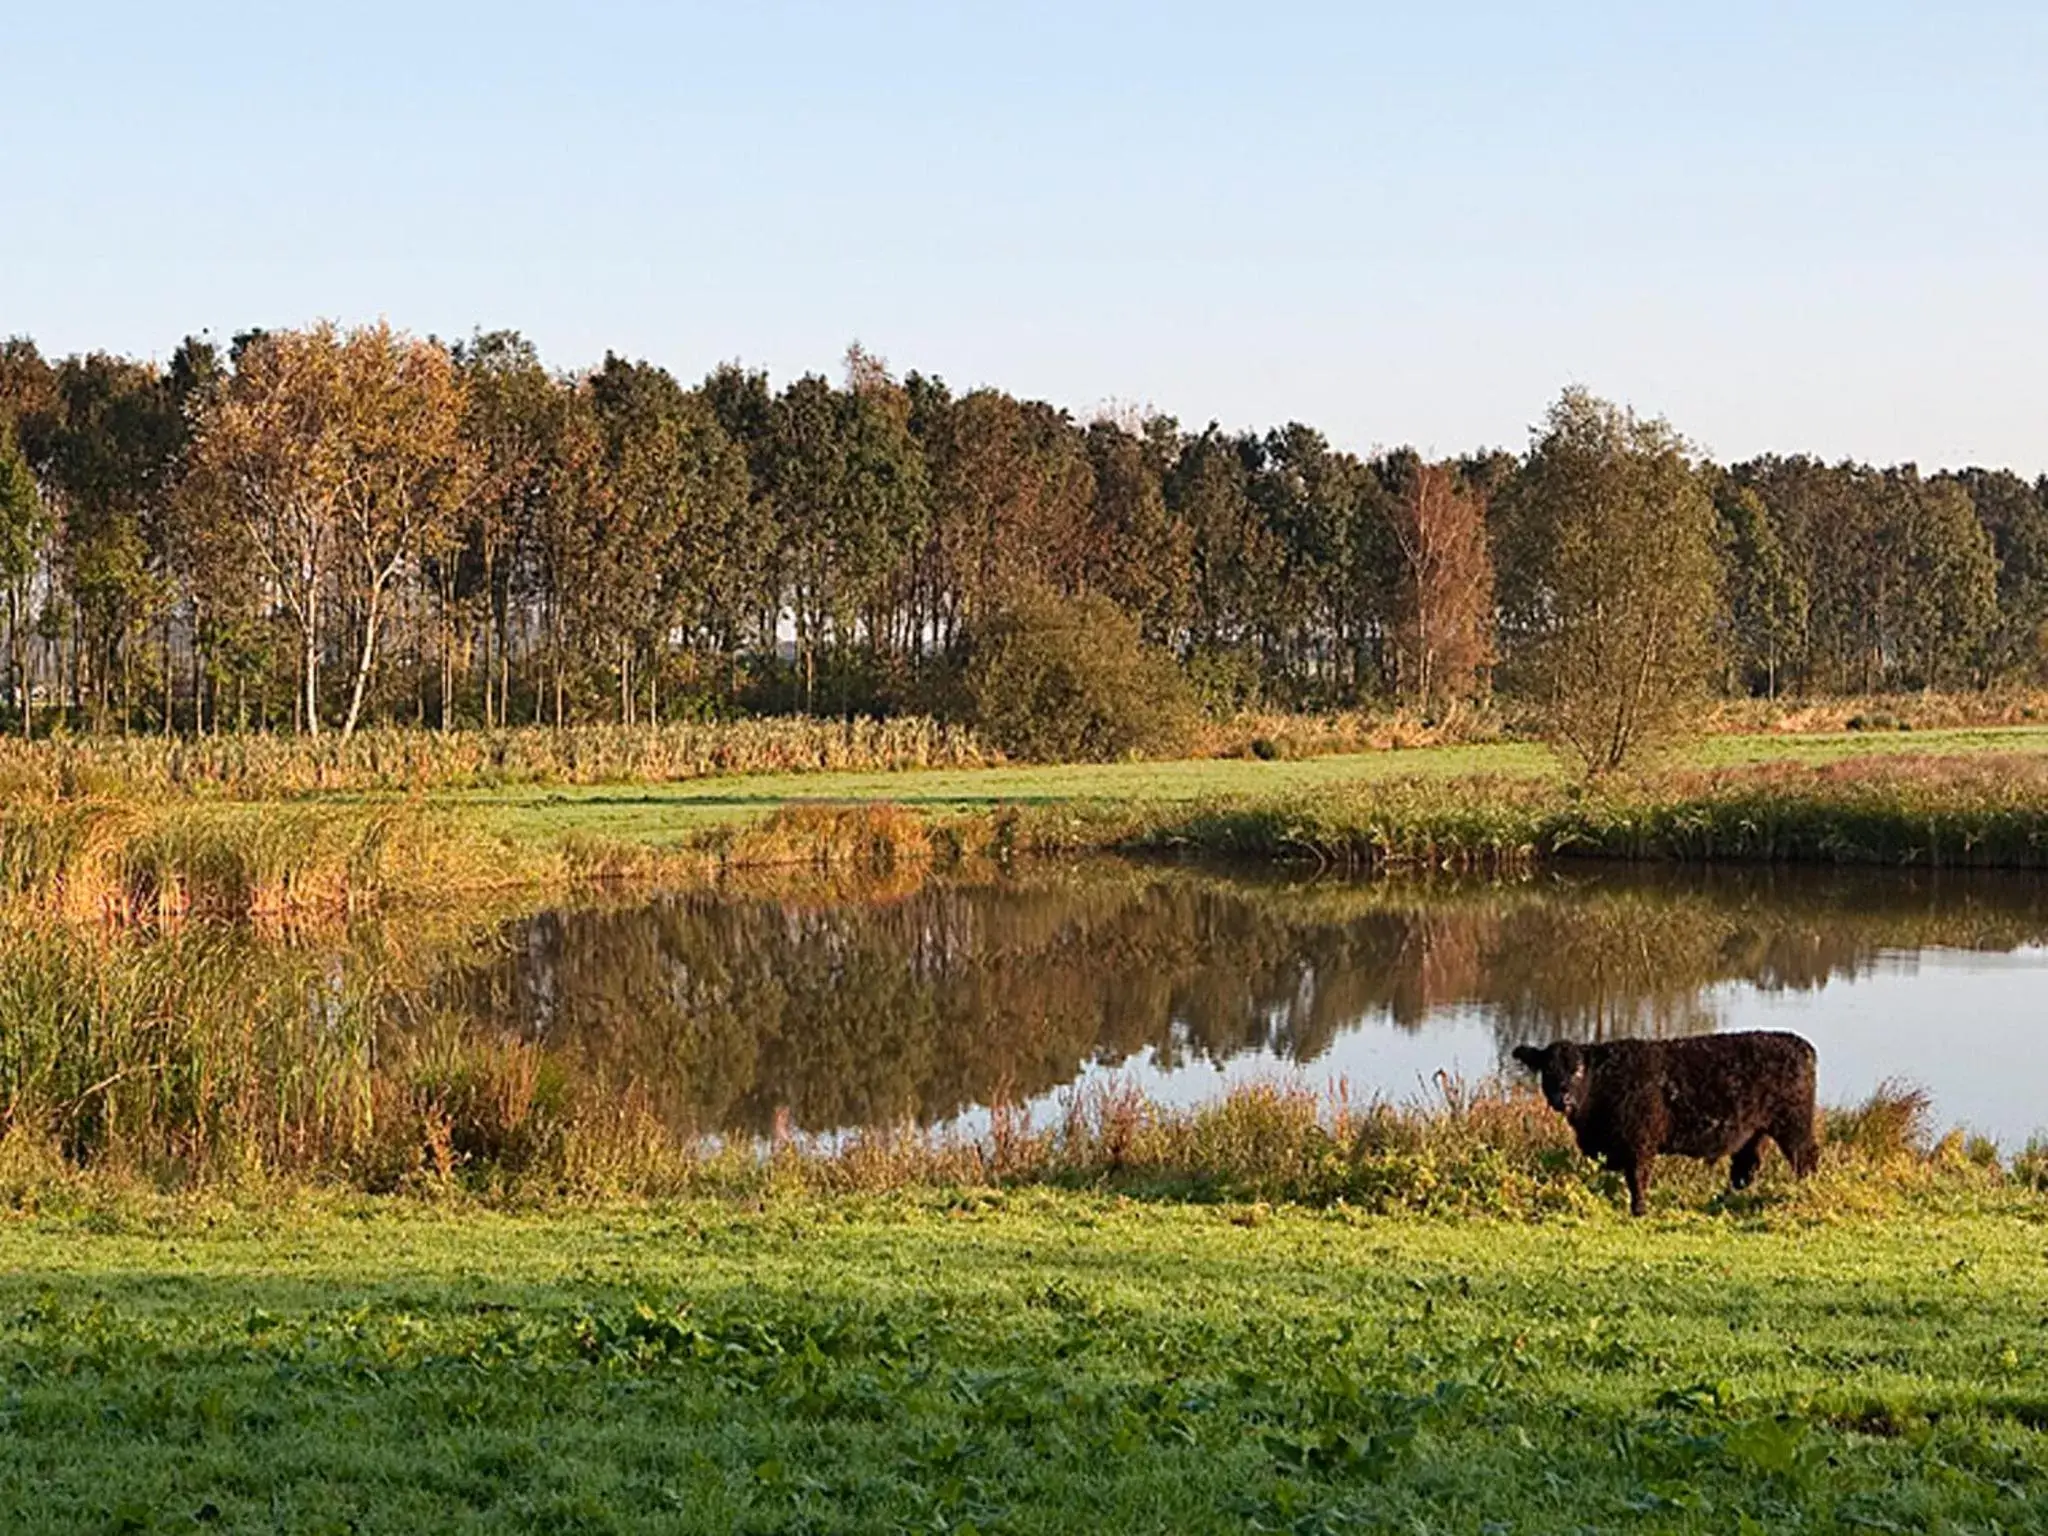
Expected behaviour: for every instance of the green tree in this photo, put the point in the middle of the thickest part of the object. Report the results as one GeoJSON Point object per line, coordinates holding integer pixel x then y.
{"type": "Point", "coordinates": [1012, 493]}
{"type": "Point", "coordinates": [672, 489]}
{"type": "Point", "coordinates": [1061, 679]}
{"type": "Point", "coordinates": [1765, 599]}
{"type": "Point", "coordinates": [24, 526]}
{"type": "Point", "coordinates": [1305, 497]}
{"type": "Point", "coordinates": [111, 462]}
{"type": "Point", "coordinates": [1137, 552]}
{"type": "Point", "coordinates": [2015, 514]}
{"type": "Point", "coordinates": [809, 485]}
{"type": "Point", "coordinates": [1236, 562]}
{"type": "Point", "coordinates": [881, 518]}
{"type": "Point", "coordinates": [510, 426]}
{"type": "Point", "coordinates": [749, 600]}
{"type": "Point", "coordinates": [563, 583]}
{"type": "Point", "coordinates": [1943, 606]}
{"type": "Point", "coordinates": [1621, 578]}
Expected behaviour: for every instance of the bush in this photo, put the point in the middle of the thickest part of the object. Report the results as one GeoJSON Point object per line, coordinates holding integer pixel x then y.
{"type": "Point", "coordinates": [1069, 679]}
{"type": "Point", "coordinates": [1892, 1122]}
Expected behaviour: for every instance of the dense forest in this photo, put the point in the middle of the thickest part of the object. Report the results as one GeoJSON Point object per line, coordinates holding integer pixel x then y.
{"type": "Point", "coordinates": [324, 528]}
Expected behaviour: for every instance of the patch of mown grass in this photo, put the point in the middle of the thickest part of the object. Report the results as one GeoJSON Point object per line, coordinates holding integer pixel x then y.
{"type": "Point", "coordinates": [1015, 1361]}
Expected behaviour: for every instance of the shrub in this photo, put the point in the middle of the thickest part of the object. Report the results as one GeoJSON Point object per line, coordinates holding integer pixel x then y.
{"type": "Point", "coordinates": [1892, 1122]}
{"type": "Point", "coordinates": [1069, 679]}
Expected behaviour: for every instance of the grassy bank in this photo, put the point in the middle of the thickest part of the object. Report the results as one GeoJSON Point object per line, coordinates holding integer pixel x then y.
{"type": "Point", "coordinates": [214, 1059]}
{"type": "Point", "coordinates": [846, 758]}
{"type": "Point", "coordinates": [1981, 804]}
{"type": "Point", "coordinates": [1018, 1361]}
{"type": "Point", "coordinates": [1975, 798]}
{"type": "Point", "coordinates": [600, 1050]}
{"type": "Point", "coordinates": [1989, 810]}
{"type": "Point", "coordinates": [388, 760]}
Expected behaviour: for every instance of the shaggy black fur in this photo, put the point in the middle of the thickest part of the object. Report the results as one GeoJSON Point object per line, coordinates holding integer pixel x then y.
{"type": "Point", "coordinates": [1705, 1096]}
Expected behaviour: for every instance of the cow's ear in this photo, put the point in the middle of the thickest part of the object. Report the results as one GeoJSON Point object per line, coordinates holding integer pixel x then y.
{"type": "Point", "coordinates": [1532, 1056]}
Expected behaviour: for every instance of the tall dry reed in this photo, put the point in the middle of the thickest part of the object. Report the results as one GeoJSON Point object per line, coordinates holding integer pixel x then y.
{"type": "Point", "coordinates": [261, 767]}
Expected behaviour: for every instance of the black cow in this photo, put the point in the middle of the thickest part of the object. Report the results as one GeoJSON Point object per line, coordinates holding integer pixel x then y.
{"type": "Point", "coordinates": [1705, 1096]}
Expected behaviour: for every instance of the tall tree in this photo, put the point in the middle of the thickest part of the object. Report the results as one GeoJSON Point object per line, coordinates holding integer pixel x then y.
{"type": "Point", "coordinates": [1236, 561]}
{"type": "Point", "coordinates": [1137, 552]}
{"type": "Point", "coordinates": [750, 597]}
{"type": "Point", "coordinates": [809, 485]}
{"type": "Point", "coordinates": [1944, 604]}
{"type": "Point", "coordinates": [673, 491]}
{"type": "Point", "coordinates": [111, 460]}
{"type": "Point", "coordinates": [2015, 515]}
{"type": "Point", "coordinates": [24, 525]}
{"type": "Point", "coordinates": [270, 456]}
{"type": "Point", "coordinates": [1765, 599]}
{"type": "Point", "coordinates": [884, 511]}
{"type": "Point", "coordinates": [1621, 577]}
{"type": "Point", "coordinates": [1443, 627]}
{"type": "Point", "coordinates": [337, 453]}
{"type": "Point", "coordinates": [405, 472]}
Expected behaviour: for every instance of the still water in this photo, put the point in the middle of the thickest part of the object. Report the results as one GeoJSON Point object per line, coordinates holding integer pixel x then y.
{"type": "Point", "coordinates": [753, 1012]}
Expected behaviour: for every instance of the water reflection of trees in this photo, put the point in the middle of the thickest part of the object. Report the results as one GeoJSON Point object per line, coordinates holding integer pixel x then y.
{"type": "Point", "coordinates": [739, 1011]}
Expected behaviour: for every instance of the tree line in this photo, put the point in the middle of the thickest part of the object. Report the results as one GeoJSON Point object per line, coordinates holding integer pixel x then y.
{"type": "Point", "coordinates": [314, 529]}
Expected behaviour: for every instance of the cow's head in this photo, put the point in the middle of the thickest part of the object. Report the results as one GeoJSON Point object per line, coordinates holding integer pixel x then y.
{"type": "Point", "coordinates": [1563, 1068]}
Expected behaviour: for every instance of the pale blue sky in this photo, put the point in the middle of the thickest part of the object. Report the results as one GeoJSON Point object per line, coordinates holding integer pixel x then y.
{"type": "Point", "coordinates": [1812, 227]}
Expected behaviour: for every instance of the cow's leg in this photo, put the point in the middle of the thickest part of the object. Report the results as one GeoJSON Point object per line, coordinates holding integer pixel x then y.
{"type": "Point", "coordinates": [1795, 1135]}
{"type": "Point", "coordinates": [1742, 1167]}
{"type": "Point", "coordinates": [1637, 1171]}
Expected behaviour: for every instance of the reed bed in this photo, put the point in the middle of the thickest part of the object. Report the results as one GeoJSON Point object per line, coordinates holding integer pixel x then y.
{"type": "Point", "coordinates": [99, 861]}
{"type": "Point", "coordinates": [270, 767]}
{"type": "Point", "coordinates": [2002, 706]}
{"type": "Point", "coordinates": [1980, 811]}
{"type": "Point", "coordinates": [265, 767]}
{"type": "Point", "coordinates": [211, 1058]}
{"type": "Point", "coordinates": [1273, 734]}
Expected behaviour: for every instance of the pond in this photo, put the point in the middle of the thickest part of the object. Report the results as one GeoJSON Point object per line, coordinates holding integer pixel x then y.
{"type": "Point", "coordinates": [609, 1033]}
{"type": "Point", "coordinates": [774, 1011]}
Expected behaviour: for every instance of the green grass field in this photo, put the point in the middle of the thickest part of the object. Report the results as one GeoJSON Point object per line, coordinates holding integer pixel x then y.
{"type": "Point", "coordinates": [1030, 1361]}
{"type": "Point", "coordinates": [662, 812]}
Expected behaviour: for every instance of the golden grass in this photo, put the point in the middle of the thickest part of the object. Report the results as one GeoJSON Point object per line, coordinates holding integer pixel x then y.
{"type": "Point", "coordinates": [89, 859]}
{"type": "Point", "coordinates": [263, 767]}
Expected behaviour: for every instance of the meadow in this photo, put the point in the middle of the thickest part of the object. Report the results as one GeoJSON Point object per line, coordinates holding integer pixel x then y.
{"type": "Point", "coordinates": [279, 1258]}
{"type": "Point", "coordinates": [986, 1359]}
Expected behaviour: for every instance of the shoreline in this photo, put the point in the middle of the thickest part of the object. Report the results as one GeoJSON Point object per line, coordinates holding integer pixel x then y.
{"type": "Point", "coordinates": [129, 860]}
